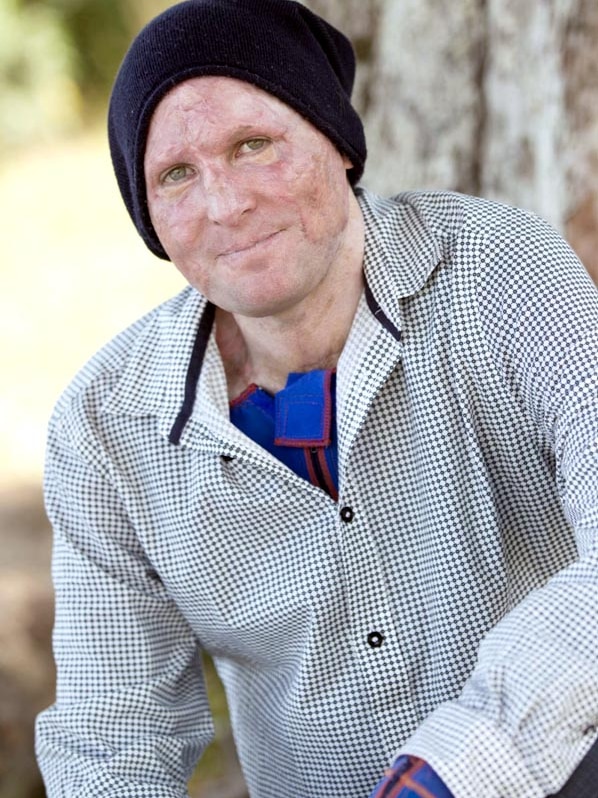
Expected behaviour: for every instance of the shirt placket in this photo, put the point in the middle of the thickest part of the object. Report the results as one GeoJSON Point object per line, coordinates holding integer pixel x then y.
{"type": "Point", "coordinates": [375, 628]}
{"type": "Point", "coordinates": [375, 631]}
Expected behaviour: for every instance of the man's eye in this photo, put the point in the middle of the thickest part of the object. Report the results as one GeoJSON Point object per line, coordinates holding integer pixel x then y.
{"type": "Point", "coordinates": [176, 174]}
{"type": "Point", "coordinates": [253, 145]}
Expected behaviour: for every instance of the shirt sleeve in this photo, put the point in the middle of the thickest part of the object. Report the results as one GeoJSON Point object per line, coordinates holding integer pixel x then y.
{"type": "Point", "coordinates": [529, 711]}
{"type": "Point", "coordinates": [131, 716]}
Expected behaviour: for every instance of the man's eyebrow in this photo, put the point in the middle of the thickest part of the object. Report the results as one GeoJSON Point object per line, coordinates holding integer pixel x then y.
{"type": "Point", "coordinates": [254, 127]}
{"type": "Point", "coordinates": [173, 152]}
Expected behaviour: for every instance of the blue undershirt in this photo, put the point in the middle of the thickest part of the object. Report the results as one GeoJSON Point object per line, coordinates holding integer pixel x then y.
{"type": "Point", "coordinates": [297, 425]}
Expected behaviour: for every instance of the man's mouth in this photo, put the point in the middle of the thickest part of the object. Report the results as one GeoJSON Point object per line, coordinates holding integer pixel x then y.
{"type": "Point", "coordinates": [246, 246]}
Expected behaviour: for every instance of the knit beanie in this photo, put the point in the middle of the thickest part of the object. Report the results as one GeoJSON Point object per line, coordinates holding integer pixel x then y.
{"type": "Point", "coordinates": [278, 45]}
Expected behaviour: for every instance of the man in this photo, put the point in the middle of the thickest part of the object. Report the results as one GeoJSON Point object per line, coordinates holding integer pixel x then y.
{"type": "Point", "coordinates": [355, 460]}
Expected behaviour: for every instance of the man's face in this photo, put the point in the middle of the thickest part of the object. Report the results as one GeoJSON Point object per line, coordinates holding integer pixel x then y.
{"type": "Point", "coordinates": [249, 200]}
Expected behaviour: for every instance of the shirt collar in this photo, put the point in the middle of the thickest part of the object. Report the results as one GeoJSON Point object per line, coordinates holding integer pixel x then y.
{"type": "Point", "coordinates": [400, 255]}
{"type": "Point", "coordinates": [400, 251]}
{"type": "Point", "coordinates": [153, 379]}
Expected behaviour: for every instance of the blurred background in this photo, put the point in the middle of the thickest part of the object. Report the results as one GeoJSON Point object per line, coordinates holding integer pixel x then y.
{"type": "Point", "coordinates": [491, 97]}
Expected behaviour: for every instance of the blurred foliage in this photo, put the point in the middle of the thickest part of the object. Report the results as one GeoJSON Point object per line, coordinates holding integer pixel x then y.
{"type": "Point", "coordinates": [99, 32]}
{"type": "Point", "coordinates": [57, 62]}
{"type": "Point", "coordinates": [37, 89]}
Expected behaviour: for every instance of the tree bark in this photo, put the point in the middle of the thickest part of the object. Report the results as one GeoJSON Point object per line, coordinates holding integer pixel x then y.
{"type": "Point", "coordinates": [491, 97]}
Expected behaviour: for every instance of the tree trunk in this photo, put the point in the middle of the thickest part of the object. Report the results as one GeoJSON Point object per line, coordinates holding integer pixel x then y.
{"type": "Point", "coordinates": [491, 97]}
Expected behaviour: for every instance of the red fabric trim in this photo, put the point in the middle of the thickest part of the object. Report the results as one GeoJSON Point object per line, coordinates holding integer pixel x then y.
{"type": "Point", "coordinates": [406, 781]}
{"type": "Point", "coordinates": [327, 405]}
{"type": "Point", "coordinates": [245, 395]}
{"type": "Point", "coordinates": [327, 475]}
{"type": "Point", "coordinates": [418, 789]}
{"type": "Point", "coordinates": [302, 443]}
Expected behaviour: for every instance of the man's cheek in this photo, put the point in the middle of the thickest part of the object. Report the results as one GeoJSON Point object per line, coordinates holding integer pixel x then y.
{"type": "Point", "coordinates": [174, 223]}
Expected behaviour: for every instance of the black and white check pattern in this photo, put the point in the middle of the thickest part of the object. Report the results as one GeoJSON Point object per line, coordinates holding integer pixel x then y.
{"type": "Point", "coordinates": [446, 607]}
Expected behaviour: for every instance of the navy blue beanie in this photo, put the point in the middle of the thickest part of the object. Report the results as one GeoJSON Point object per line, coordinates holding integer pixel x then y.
{"type": "Point", "coordinates": [278, 45]}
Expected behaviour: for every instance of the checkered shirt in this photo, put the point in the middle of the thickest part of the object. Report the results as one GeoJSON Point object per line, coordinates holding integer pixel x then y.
{"type": "Point", "coordinates": [445, 607]}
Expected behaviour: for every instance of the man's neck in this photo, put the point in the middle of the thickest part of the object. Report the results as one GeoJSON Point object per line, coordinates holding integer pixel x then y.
{"type": "Point", "coordinates": [309, 336]}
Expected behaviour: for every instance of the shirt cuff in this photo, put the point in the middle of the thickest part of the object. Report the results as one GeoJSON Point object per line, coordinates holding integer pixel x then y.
{"type": "Point", "coordinates": [471, 755]}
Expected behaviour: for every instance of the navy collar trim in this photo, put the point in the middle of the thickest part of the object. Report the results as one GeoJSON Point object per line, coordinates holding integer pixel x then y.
{"type": "Point", "coordinates": [379, 314]}
{"type": "Point", "coordinates": [193, 371]}
{"type": "Point", "coordinates": [199, 349]}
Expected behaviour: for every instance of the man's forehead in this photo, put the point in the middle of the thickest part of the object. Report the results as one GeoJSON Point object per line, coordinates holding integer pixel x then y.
{"type": "Point", "coordinates": [213, 107]}
{"type": "Point", "coordinates": [198, 92]}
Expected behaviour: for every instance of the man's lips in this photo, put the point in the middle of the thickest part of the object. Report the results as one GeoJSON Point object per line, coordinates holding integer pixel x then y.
{"type": "Point", "coordinates": [246, 246]}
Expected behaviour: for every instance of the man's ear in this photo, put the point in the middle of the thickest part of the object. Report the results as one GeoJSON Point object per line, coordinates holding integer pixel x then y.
{"type": "Point", "coordinates": [347, 163]}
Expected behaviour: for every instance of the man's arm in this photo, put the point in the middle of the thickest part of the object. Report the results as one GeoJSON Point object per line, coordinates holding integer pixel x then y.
{"type": "Point", "coordinates": [410, 777]}
{"type": "Point", "coordinates": [131, 716]}
{"type": "Point", "coordinates": [529, 712]}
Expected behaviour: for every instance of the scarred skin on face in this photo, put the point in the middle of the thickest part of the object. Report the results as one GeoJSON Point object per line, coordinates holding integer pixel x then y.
{"type": "Point", "coordinates": [253, 206]}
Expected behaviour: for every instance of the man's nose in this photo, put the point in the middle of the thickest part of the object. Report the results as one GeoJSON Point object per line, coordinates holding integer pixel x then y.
{"type": "Point", "coordinates": [227, 196]}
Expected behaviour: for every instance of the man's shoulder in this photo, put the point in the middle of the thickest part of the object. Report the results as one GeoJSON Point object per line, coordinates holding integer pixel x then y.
{"type": "Point", "coordinates": [449, 215]}
{"type": "Point", "coordinates": [129, 372]}
{"type": "Point", "coordinates": [482, 246]}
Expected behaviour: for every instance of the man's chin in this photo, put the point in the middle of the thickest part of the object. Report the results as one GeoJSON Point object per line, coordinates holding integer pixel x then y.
{"type": "Point", "coordinates": [265, 307]}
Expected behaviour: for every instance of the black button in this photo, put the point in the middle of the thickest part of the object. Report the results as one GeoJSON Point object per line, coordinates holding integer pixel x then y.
{"type": "Point", "coordinates": [347, 514]}
{"type": "Point", "coordinates": [226, 458]}
{"type": "Point", "coordinates": [375, 639]}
